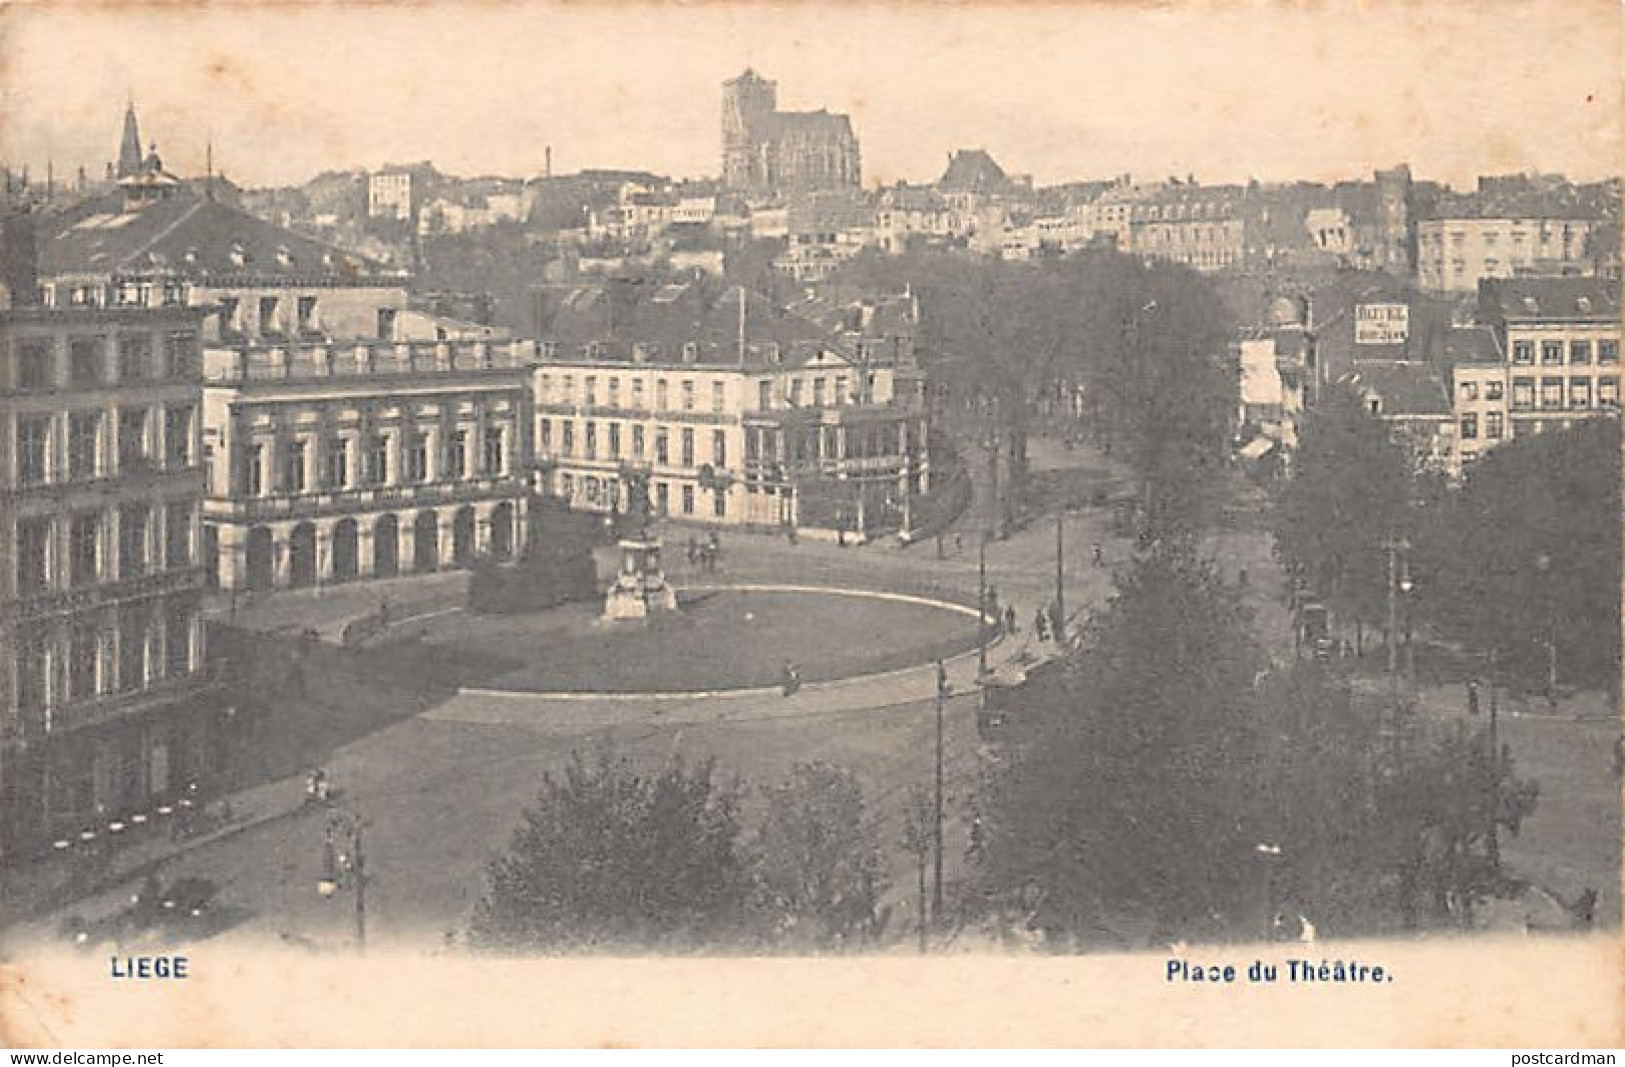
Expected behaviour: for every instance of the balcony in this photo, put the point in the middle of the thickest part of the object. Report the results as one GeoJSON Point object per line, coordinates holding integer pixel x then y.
{"type": "Point", "coordinates": [81, 713]}
{"type": "Point", "coordinates": [365, 498]}
{"type": "Point", "coordinates": [95, 594]}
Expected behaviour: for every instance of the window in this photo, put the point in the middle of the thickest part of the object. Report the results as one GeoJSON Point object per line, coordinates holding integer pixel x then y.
{"type": "Point", "coordinates": [719, 502]}
{"type": "Point", "coordinates": [637, 442]}
{"type": "Point", "coordinates": [615, 440]}
{"type": "Point", "coordinates": [688, 394]}
{"type": "Point", "coordinates": [35, 368]}
{"type": "Point", "coordinates": [688, 500]}
{"type": "Point", "coordinates": [178, 641]}
{"type": "Point", "coordinates": [378, 460]}
{"type": "Point", "coordinates": [660, 394]}
{"type": "Point", "coordinates": [662, 445]}
{"type": "Point", "coordinates": [177, 437]}
{"type": "Point", "coordinates": [637, 393]}
{"type": "Point", "coordinates": [1551, 392]}
{"type": "Point", "coordinates": [307, 314]}
{"type": "Point", "coordinates": [842, 393]}
{"type": "Point", "coordinates": [82, 661]}
{"type": "Point", "coordinates": [1579, 351]}
{"type": "Point", "coordinates": [457, 455]}
{"type": "Point", "coordinates": [1469, 390]}
{"type": "Point", "coordinates": [84, 547]}
{"type": "Point", "coordinates": [293, 468]}
{"type": "Point", "coordinates": [230, 326]}
{"type": "Point", "coordinates": [1579, 392]}
{"type": "Point", "coordinates": [688, 446]}
{"type": "Point", "coordinates": [544, 388]}
{"type": "Point", "coordinates": [591, 390]}
{"type": "Point", "coordinates": [592, 440]}
{"type": "Point", "coordinates": [1608, 392]}
{"type": "Point", "coordinates": [33, 555]}
{"type": "Point", "coordinates": [1523, 394]}
{"type": "Point", "coordinates": [180, 354]}
{"type": "Point", "coordinates": [208, 469]}
{"type": "Point", "coordinates": [1469, 427]}
{"type": "Point", "coordinates": [545, 435]}
{"type": "Point", "coordinates": [719, 448]}
{"type": "Point", "coordinates": [764, 395]}
{"type": "Point", "coordinates": [417, 458]}
{"type": "Point", "coordinates": [614, 392]}
{"type": "Point", "coordinates": [177, 536]}
{"type": "Point", "coordinates": [33, 449]}
{"type": "Point", "coordinates": [254, 469]}
{"type": "Point", "coordinates": [1494, 390]}
{"type": "Point", "coordinates": [718, 396]}
{"type": "Point", "coordinates": [269, 320]}
{"type": "Point", "coordinates": [1523, 351]}
{"type": "Point", "coordinates": [818, 392]}
{"type": "Point", "coordinates": [795, 392]}
{"type": "Point", "coordinates": [493, 456]}
{"type": "Point", "coordinates": [87, 363]}
{"type": "Point", "coordinates": [132, 648]}
{"type": "Point", "coordinates": [1551, 351]}
{"type": "Point", "coordinates": [1608, 351]}
{"type": "Point", "coordinates": [568, 445]}
{"type": "Point", "coordinates": [134, 357]}
{"type": "Point", "coordinates": [1494, 427]}
{"type": "Point", "coordinates": [386, 324]}
{"type": "Point", "coordinates": [337, 452]}
{"type": "Point", "coordinates": [132, 540]}
{"type": "Point", "coordinates": [31, 669]}
{"type": "Point", "coordinates": [132, 440]}
{"type": "Point", "coordinates": [663, 498]}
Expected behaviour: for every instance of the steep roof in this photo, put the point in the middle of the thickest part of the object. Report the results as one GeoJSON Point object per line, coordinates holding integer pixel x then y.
{"type": "Point", "coordinates": [973, 170]}
{"type": "Point", "coordinates": [1588, 299]}
{"type": "Point", "coordinates": [1407, 390]}
{"type": "Point", "coordinates": [188, 235]}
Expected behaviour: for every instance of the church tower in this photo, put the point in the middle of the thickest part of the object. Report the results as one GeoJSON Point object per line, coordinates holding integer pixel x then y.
{"type": "Point", "coordinates": [129, 152]}
{"type": "Point", "coordinates": [748, 103]}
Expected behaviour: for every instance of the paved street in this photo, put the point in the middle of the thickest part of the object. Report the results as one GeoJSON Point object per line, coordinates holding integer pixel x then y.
{"type": "Point", "coordinates": [440, 791]}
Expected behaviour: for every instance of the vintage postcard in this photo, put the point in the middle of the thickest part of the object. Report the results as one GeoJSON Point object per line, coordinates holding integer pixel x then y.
{"type": "Point", "coordinates": [769, 524]}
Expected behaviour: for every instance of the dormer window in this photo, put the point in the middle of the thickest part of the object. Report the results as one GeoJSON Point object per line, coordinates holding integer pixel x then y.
{"type": "Point", "coordinates": [691, 352]}
{"type": "Point", "coordinates": [190, 257]}
{"type": "Point", "coordinates": [239, 256]}
{"type": "Point", "coordinates": [284, 257]}
{"type": "Point", "coordinates": [1584, 304]}
{"type": "Point", "coordinates": [1530, 305]}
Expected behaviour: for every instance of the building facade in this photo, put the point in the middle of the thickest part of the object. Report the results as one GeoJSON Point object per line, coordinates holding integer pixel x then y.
{"type": "Point", "coordinates": [1552, 359]}
{"type": "Point", "coordinates": [105, 706]}
{"type": "Point", "coordinates": [766, 151]}
{"type": "Point", "coordinates": [329, 464]}
{"type": "Point", "coordinates": [1455, 251]}
{"type": "Point", "coordinates": [785, 424]}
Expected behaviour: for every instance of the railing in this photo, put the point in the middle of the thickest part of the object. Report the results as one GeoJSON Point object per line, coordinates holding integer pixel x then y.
{"type": "Point", "coordinates": [93, 594]}
{"type": "Point", "coordinates": [78, 713]}
{"type": "Point", "coordinates": [383, 496]}
{"type": "Point", "coordinates": [65, 481]}
{"type": "Point", "coordinates": [273, 363]}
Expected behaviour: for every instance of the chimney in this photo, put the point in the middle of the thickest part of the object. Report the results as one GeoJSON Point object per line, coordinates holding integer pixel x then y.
{"type": "Point", "coordinates": [547, 166]}
{"type": "Point", "coordinates": [19, 260]}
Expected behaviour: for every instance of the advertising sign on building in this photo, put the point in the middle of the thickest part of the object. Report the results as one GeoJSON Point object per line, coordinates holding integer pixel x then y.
{"type": "Point", "coordinates": [1381, 324]}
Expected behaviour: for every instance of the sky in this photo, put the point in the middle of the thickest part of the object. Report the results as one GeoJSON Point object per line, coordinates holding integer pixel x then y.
{"type": "Point", "coordinates": [1311, 89]}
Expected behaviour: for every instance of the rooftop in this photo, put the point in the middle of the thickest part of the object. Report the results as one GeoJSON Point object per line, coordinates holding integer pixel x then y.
{"type": "Point", "coordinates": [1582, 299]}
{"type": "Point", "coordinates": [1406, 389]}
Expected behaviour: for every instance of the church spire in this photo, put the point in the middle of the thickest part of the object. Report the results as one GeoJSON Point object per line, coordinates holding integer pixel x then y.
{"type": "Point", "coordinates": [129, 153]}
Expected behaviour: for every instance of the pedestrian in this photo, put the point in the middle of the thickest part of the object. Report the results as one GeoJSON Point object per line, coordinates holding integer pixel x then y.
{"type": "Point", "coordinates": [1099, 558]}
{"type": "Point", "coordinates": [940, 554]}
{"type": "Point", "coordinates": [1472, 696]}
{"type": "Point", "coordinates": [383, 612]}
{"type": "Point", "coordinates": [1010, 619]}
{"type": "Point", "coordinates": [959, 545]}
{"type": "Point", "coordinates": [1040, 625]}
{"type": "Point", "coordinates": [1241, 577]}
{"type": "Point", "coordinates": [693, 551]}
{"type": "Point", "coordinates": [942, 679]}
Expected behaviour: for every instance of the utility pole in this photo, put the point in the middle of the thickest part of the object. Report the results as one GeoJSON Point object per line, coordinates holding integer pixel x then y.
{"type": "Point", "coordinates": [1060, 590]}
{"type": "Point", "coordinates": [1492, 842]}
{"type": "Point", "coordinates": [360, 892]}
{"type": "Point", "coordinates": [981, 615]}
{"type": "Point", "coordinates": [936, 826]}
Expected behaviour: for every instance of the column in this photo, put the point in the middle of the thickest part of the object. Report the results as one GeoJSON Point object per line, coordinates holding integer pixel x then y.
{"type": "Point", "coordinates": [406, 541]}
{"type": "Point", "coordinates": [482, 528]}
{"type": "Point", "coordinates": [324, 551]}
{"type": "Point", "coordinates": [444, 521]}
{"type": "Point", "coordinates": [229, 548]}
{"type": "Point", "coordinates": [364, 560]}
{"type": "Point", "coordinates": [281, 557]}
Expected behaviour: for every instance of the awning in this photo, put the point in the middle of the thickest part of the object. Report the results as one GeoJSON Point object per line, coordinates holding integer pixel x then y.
{"type": "Point", "coordinates": [1256, 448]}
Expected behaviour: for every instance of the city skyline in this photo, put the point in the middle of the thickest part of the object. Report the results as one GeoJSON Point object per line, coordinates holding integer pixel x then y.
{"type": "Point", "coordinates": [1061, 94]}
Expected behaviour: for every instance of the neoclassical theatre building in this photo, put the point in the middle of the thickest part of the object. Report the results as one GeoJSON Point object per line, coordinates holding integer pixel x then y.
{"type": "Point", "coordinates": [327, 463]}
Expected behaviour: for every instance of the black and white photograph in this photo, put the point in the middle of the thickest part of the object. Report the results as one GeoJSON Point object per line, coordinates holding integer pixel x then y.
{"type": "Point", "coordinates": [1125, 488]}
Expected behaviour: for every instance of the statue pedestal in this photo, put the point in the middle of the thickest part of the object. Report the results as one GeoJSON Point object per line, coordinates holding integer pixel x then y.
{"type": "Point", "coordinates": [640, 587]}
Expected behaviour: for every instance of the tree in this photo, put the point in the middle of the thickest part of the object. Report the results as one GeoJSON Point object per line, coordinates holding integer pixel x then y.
{"type": "Point", "coordinates": [1551, 497]}
{"type": "Point", "coordinates": [1125, 805]}
{"type": "Point", "coordinates": [611, 859]}
{"type": "Point", "coordinates": [818, 870]}
{"type": "Point", "coordinates": [1350, 493]}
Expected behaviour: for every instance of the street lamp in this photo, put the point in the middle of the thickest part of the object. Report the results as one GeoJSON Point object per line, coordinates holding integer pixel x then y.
{"type": "Point", "coordinates": [342, 855]}
{"type": "Point", "coordinates": [1543, 564]}
{"type": "Point", "coordinates": [1269, 855]}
